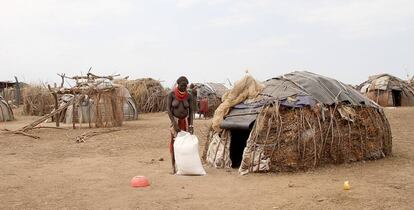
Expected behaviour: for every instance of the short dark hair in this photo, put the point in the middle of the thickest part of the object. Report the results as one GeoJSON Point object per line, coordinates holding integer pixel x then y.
{"type": "Point", "coordinates": [182, 79]}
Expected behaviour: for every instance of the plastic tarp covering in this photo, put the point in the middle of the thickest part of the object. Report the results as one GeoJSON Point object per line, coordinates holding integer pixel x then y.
{"type": "Point", "coordinates": [244, 121]}
{"type": "Point", "coordinates": [323, 89]}
{"type": "Point", "coordinates": [297, 89]}
{"type": "Point", "coordinates": [129, 108]}
{"type": "Point", "coordinates": [243, 115]}
{"type": "Point", "coordinates": [365, 88]}
{"type": "Point", "coordinates": [245, 89]}
{"type": "Point", "coordinates": [381, 83]}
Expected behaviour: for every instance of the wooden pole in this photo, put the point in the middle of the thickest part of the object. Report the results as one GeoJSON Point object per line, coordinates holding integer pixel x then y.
{"type": "Point", "coordinates": [57, 117]}
{"type": "Point", "coordinates": [73, 113]}
{"type": "Point", "coordinates": [42, 119]}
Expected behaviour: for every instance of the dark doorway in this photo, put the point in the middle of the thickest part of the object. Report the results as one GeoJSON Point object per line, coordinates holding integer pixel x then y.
{"type": "Point", "coordinates": [237, 145]}
{"type": "Point", "coordinates": [396, 97]}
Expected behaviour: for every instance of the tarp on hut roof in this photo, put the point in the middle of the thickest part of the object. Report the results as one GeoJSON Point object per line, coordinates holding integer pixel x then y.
{"type": "Point", "coordinates": [218, 88]}
{"type": "Point", "coordinates": [322, 89]}
{"type": "Point", "coordinates": [205, 89]}
{"type": "Point", "coordinates": [384, 82]}
{"type": "Point", "coordinates": [6, 84]}
{"type": "Point", "coordinates": [296, 89]}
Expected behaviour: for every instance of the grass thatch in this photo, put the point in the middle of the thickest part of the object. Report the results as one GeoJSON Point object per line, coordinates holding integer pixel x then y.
{"type": "Point", "coordinates": [148, 93]}
{"type": "Point", "coordinates": [298, 139]}
{"type": "Point", "coordinates": [37, 100]}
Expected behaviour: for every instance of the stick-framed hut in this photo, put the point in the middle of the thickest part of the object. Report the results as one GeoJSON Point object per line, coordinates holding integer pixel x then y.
{"type": "Point", "coordinates": [94, 100]}
{"type": "Point", "coordinates": [295, 122]}
{"type": "Point", "coordinates": [388, 90]}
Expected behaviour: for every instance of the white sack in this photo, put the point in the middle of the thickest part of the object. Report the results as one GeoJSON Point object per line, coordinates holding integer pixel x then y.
{"type": "Point", "coordinates": [186, 155]}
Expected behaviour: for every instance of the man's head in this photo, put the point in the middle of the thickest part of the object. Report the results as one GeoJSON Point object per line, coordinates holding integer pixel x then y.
{"type": "Point", "coordinates": [182, 83]}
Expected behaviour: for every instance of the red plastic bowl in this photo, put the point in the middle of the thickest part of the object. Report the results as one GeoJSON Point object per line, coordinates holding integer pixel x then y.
{"type": "Point", "coordinates": [139, 181]}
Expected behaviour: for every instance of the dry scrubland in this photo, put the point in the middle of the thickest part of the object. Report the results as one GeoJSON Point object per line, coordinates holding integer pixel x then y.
{"type": "Point", "coordinates": [56, 172]}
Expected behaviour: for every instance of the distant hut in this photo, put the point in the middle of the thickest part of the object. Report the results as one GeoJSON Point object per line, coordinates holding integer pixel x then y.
{"type": "Point", "coordinates": [86, 110]}
{"type": "Point", "coordinates": [212, 92]}
{"type": "Point", "coordinates": [297, 121]}
{"type": "Point", "coordinates": [148, 94]}
{"type": "Point", "coordinates": [37, 100]}
{"type": "Point", "coordinates": [94, 100]}
{"type": "Point", "coordinates": [10, 91]}
{"type": "Point", "coordinates": [388, 90]}
{"type": "Point", "coordinates": [6, 113]}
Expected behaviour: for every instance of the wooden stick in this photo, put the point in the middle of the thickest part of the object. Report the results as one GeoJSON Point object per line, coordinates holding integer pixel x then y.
{"type": "Point", "coordinates": [59, 128]}
{"type": "Point", "coordinates": [42, 119]}
{"type": "Point", "coordinates": [56, 105]}
{"type": "Point", "coordinates": [26, 134]}
{"type": "Point", "coordinates": [81, 138]}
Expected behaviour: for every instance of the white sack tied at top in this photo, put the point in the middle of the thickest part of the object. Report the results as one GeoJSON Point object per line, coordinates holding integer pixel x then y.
{"type": "Point", "coordinates": [187, 158]}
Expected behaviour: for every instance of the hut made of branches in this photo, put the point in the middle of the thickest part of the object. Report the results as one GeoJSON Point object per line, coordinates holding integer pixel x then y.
{"type": "Point", "coordinates": [6, 113]}
{"type": "Point", "coordinates": [37, 100]}
{"type": "Point", "coordinates": [297, 121]}
{"type": "Point", "coordinates": [148, 93]}
{"type": "Point", "coordinates": [213, 92]}
{"type": "Point", "coordinates": [86, 111]}
{"type": "Point", "coordinates": [388, 90]}
{"type": "Point", "coordinates": [94, 100]}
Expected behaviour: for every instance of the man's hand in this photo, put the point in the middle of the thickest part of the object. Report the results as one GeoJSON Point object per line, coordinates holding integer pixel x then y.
{"type": "Point", "coordinates": [191, 129]}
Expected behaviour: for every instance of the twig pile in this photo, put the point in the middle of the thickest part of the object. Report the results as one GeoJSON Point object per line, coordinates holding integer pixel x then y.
{"type": "Point", "coordinates": [82, 138]}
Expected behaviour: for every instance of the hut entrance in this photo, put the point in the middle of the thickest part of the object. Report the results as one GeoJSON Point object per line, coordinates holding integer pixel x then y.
{"type": "Point", "coordinates": [237, 145]}
{"type": "Point", "coordinates": [396, 97]}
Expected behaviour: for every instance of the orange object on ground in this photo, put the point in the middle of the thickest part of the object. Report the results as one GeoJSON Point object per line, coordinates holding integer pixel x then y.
{"type": "Point", "coordinates": [139, 181]}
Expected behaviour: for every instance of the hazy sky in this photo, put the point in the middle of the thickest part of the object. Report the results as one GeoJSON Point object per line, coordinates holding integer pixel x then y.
{"type": "Point", "coordinates": [206, 40]}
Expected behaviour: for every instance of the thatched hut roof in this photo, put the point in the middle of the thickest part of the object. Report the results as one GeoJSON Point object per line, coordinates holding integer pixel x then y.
{"type": "Point", "coordinates": [148, 93]}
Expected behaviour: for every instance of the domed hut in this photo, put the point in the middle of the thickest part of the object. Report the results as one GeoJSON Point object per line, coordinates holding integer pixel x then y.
{"type": "Point", "coordinates": [387, 90]}
{"type": "Point", "coordinates": [212, 92]}
{"type": "Point", "coordinates": [6, 113]}
{"type": "Point", "coordinates": [148, 93]}
{"type": "Point", "coordinates": [297, 121]}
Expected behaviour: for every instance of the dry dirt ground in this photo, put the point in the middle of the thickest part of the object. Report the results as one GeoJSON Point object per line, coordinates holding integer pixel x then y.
{"type": "Point", "coordinates": [56, 172]}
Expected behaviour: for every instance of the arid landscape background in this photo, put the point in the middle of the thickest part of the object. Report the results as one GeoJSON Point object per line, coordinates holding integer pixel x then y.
{"type": "Point", "coordinates": [56, 172]}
